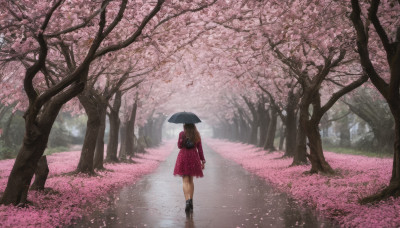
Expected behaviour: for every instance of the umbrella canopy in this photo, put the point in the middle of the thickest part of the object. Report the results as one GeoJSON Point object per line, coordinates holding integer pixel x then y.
{"type": "Point", "coordinates": [184, 117]}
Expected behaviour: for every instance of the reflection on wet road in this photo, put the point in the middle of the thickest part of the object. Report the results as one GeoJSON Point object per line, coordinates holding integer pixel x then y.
{"type": "Point", "coordinates": [227, 196]}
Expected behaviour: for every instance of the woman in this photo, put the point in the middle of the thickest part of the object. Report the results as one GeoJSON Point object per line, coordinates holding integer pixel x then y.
{"type": "Point", "coordinates": [190, 161]}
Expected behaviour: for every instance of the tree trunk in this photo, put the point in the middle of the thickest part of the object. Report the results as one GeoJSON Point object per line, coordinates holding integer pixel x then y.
{"type": "Point", "coordinates": [37, 131]}
{"type": "Point", "coordinates": [384, 138]}
{"type": "Point", "coordinates": [264, 122]}
{"type": "Point", "coordinates": [344, 132]}
{"type": "Point", "coordinates": [112, 147]}
{"type": "Point", "coordinates": [90, 105]}
{"type": "Point", "coordinates": [122, 149]}
{"type": "Point", "coordinates": [254, 122]}
{"type": "Point", "coordinates": [244, 130]}
{"type": "Point", "coordinates": [99, 152]}
{"type": "Point", "coordinates": [130, 131]}
{"type": "Point", "coordinates": [253, 134]}
{"type": "Point", "coordinates": [395, 179]}
{"type": "Point", "coordinates": [269, 142]}
{"type": "Point", "coordinates": [227, 128]}
{"type": "Point", "coordinates": [300, 155]}
{"type": "Point", "coordinates": [282, 136]}
{"type": "Point", "coordinates": [232, 132]}
{"type": "Point", "coordinates": [236, 130]}
{"type": "Point", "coordinates": [41, 173]}
{"type": "Point", "coordinates": [141, 142]}
{"type": "Point", "coordinates": [147, 130]}
{"type": "Point", "coordinates": [316, 156]}
{"type": "Point", "coordinates": [291, 131]}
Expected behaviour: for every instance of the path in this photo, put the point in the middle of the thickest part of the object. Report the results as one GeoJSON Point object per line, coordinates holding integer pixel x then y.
{"type": "Point", "coordinates": [228, 196]}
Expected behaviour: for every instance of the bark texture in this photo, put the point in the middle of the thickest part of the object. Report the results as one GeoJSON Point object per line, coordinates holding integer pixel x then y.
{"type": "Point", "coordinates": [269, 142]}
{"type": "Point", "coordinates": [300, 155]}
{"type": "Point", "coordinates": [93, 112]}
{"type": "Point", "coordinates": [99, 151]}
{"type": "Point", "coordinates": [112, 147]}
{"type": "Point", "coordinates": [291, 124]}
{"type": "Point", "coordinates": [41, 173]}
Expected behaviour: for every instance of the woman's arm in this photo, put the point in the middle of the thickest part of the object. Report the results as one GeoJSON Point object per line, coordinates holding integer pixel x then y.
{"type": "Point", "coordinates": [201, 154]}
{"type": "Point", "coordinates": [180, 140]}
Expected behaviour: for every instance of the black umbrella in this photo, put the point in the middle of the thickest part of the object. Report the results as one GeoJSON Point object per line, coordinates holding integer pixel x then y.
{"type": "Point", "coordinates": [184, 117]}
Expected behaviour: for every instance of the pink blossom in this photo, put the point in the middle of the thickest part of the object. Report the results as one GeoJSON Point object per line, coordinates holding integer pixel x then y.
{"type": "Point", "coordinates": [335, 197]}
{"type": "Point", "coordinates": [75, 196]}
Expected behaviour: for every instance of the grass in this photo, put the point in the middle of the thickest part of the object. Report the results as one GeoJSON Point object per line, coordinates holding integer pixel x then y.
{"type": "Point", "coordinates": [346, 150]}
{"type": "Point", "coordinates": [10, 153]}
{"type": "Point", "coordinates": [343, 150]}
{"type": "Point", "coordinates": [53, 150]}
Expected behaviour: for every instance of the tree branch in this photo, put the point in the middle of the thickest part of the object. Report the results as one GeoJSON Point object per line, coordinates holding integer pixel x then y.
{"type": "Point", "coordinates": [372, 11]}
{"type": "Point", "coordinates": [342, 92]}
{"type": "Point", "coordinates": [134, 36]}
{"type": "Point", "coordinates": [362, 46]}
{"type": "Point", "coordinates": [35, 68]}
{"type": "Point", "coordinates": [117, 19]}
{"type": "Point", "coordinates": [76, 27]}
{"type": "Point", "coordinates": [83, 68]}
{"type": "Point", "coordinates": [183, 12]}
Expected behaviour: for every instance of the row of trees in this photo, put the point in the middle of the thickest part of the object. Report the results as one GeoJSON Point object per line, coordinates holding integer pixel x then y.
{"type": "Point", "coordinates": [361, 121]}
{"type": "Point", "coordinates": [92, 56]}
{"type": "Point", "coordinates": [295, 60]}
{"type": "Point", "coordinates": [131, 60]}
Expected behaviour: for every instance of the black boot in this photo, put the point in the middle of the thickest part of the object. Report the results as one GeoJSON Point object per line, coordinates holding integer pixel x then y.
{"type": "Point", "coordinates": [191, 204]}
{"type": "Point", "coordinates": [187, 208]}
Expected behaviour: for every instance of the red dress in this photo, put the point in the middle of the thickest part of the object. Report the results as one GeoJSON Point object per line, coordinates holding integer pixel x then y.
{"type": "Point", "coordinates": [188, 160]}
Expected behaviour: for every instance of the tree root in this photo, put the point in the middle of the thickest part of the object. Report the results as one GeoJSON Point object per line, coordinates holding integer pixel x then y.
{"type": "Point", "coordinates": [299, 163]}
{"type": "Point", "coordinates": [270, 150]}
{"type": "Point", "coordinates": [77, 172]}
{"type": "Point", "coordinates": [104, 170]}
{"type": "Point", "coordinates": [393, 190]}
{"type": "Point", "coordinates": [112, 161]}
{"type": "Point", "coordinates": [47, 191]}
{"type": "Point", "coordinates": [129, 161]}
{"type": "Point", "coordinates": [329, 173]}
{"type": "Point", "coordinates": [285, 156]}
{"type": "Point", "coordinates": [25, 204]}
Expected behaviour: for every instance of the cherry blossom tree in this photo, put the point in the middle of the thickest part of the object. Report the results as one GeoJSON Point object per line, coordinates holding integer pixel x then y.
{"type": "Point", "coordinates": [31, 32]}
{"type": "Point", "coordinates": [316, 50]}
{"type": "Point", "coordinates": [106, 83]}
{"type": "Point", "coordinates": [87, 32]}
{"type": "Point", "coordinates": [137, 61]}
{"type": "Point", "coordinates": [378, 46]}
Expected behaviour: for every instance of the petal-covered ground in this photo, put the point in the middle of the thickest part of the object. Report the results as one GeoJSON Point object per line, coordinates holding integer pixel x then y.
{"type": "Point", "coordinates": [75, 196]}
{"type": "Point", "coordinates": [334, 196]}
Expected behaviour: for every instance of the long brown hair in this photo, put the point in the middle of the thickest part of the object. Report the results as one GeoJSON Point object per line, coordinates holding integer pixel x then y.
{"type": "Point", "coordinates": [191, 132]}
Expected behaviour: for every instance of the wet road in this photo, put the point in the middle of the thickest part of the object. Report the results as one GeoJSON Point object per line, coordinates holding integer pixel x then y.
{"type": "Point", "coordinates": [227, 196]}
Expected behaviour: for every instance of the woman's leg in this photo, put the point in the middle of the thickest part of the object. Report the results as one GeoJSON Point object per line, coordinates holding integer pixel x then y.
{"type": "Point", "coordinates": [186, 186]}
{"type": "Point", "coordinates": [191, 187]}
